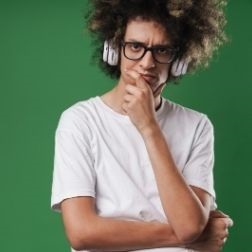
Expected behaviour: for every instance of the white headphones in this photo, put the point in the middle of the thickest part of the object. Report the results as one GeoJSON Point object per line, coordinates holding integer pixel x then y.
{"type": "Point", "coordinates": [110, 55]}
{"type": "Point", "coordinates": [179, 67]}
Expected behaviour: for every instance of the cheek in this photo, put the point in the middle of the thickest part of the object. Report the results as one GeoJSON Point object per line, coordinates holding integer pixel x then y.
{"type": "Point", "coordinates": [164, 74]}
{"type": "Point", "coordinates": [126, 64]}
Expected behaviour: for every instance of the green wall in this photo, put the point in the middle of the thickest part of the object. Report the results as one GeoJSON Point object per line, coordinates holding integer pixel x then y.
{"type": "Point", "coordinates": [45, 67]}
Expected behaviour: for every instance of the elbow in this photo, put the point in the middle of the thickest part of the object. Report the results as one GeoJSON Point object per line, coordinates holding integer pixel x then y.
{"type": "Point", "coordinates": [191, 229]}
{"type": "Point", "coordinates": [190, 233]}
{"type": "Point", "coordinates": [78, 244]}
{"type": "Point", "coordinates": [81, 240]}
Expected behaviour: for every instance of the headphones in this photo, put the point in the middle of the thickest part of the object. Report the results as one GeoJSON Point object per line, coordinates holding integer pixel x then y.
{"type": "Point", "coordinates": [110, 56]}
{"type": "Point", "coordinates": [179, 67]}
{"type": "Point", "coordinates": [110, 53]}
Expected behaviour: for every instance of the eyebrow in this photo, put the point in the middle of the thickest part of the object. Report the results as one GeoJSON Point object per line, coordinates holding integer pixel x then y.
{"type": "Point", "coordinates": [157, 45]}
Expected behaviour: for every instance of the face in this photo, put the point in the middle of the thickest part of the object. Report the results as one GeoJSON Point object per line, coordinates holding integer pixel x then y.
{"type": "Point", "coordinates": [148, 33]}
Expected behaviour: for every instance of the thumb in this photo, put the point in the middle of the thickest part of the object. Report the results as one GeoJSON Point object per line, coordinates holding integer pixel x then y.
{"type": "Point", "coordinates": [218, 214]}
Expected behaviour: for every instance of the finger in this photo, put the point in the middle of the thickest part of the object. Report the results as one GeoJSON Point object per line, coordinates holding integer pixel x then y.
{"type": "Point", "coordinates": [231, 222]}
{"type": "Point", "coordinates": [218, 214]}
{"type": "Point", "coordinates": [125, 107]}
{"type": "Point", "coordinates": [224, 234]}
{"type": "Point", "coordinates": [222, 213]}
{"type": "Point", "coordinates": [228, 222]}
{"type": "Point", "coordinates": [222, 242]}
{"type": "Point", "coordinates": [133, 90]}
{"type": "Point", "coordinates": [134, 75]}
{"type": "Point", "coordinates": [142, 83]}
{"type": "Point", "coordinates": [127, 98]}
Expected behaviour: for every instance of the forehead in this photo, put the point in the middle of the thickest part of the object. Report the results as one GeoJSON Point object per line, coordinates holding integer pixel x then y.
{"type": "Point", "coordinates": [146, 31]}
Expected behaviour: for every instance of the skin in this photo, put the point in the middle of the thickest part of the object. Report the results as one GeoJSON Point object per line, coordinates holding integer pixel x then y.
{"type": "Point", "coordinates": [88, 231]}
{"type": "Point", "coordinates": [191, 224]}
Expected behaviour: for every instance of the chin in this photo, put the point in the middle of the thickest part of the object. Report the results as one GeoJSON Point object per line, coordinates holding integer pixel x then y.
{"type": "Point", "coordinates": [154, 90]}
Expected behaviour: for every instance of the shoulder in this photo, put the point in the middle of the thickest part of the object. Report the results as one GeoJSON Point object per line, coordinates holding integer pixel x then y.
{"type": "Point", "coordinates": [183, 114]}
{"type": "Point", "coordinates": [185, 120]}
{"type": "Point", "coordinates": [77, 115]}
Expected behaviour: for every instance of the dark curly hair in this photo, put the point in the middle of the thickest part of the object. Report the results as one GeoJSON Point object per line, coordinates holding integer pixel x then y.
{"type": "Point", "coordinates": [197, 27]}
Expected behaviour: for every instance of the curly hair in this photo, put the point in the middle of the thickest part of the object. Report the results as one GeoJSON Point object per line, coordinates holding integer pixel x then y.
{"type": "Point", "coordinates": [196, 27]}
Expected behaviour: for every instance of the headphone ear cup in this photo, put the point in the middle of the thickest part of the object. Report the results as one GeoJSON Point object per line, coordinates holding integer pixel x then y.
{"type": "Point", "coordinates": [105, 51]}
{"type": "Point", "coordinates": [184, 68]}
{"type": "Point", "coordinates": [113, 56]}
{"type": "Point", "coordinates": [110, 53]}
{"type": "Point", "coordinates": [179, 67]}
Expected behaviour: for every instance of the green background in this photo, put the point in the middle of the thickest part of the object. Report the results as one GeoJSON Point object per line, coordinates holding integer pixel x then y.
{"type": "Point", "coordinates": [45, 67]}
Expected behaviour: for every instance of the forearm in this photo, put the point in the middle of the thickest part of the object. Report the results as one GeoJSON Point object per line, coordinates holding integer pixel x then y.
{"type": "Point", "coordinates": [181, 205]}
{"type": "Point", "coordinates": [106, 234]}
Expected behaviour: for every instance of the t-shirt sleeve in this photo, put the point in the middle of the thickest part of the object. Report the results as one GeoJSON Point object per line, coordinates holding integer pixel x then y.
{"type": "Point", "coordinates": [73, 173]}
{"type": "Point", "coordinates": [198, 170]}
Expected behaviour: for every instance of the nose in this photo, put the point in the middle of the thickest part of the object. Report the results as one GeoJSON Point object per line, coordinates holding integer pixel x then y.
{"type": "Point", "coordinates": [147, 61]}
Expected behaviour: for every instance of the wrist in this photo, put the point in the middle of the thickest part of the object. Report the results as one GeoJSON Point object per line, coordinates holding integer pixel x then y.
{"type": "Point", "coordinates": [152, 130]}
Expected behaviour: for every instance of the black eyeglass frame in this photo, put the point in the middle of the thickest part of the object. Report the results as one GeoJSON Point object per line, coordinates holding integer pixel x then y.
{"type": "Point", "coordinates": [151, 49]}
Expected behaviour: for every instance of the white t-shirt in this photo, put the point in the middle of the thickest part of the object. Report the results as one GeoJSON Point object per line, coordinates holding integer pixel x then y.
{"type": "Point", "coordinates": [100, 153]}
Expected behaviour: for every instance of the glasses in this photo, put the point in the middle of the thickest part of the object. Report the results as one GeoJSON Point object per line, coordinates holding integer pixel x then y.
{"type": "Point", "coordinates": [137, 50]}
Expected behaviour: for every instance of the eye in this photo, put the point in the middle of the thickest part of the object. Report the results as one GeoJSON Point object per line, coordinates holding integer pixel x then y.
{"type": "Point", "coordinates": [162, 50]}
{"type": "Point", "coordinates": [136, 47]}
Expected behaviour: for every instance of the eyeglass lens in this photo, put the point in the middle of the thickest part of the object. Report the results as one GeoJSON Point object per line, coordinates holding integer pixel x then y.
{"type": "Point", "coordinates": [135, 51]}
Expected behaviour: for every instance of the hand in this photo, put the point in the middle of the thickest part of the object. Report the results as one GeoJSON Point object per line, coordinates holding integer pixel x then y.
{"type": "Point", "coordinates": [215, 234]}
{"type": "Point", "coordinates": [139, 103]}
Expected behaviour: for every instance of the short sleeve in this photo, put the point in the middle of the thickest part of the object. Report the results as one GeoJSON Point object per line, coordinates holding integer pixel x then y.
{"type": "Point", "coordinates": [198, 170]}
{"type": "Point", "coordinates": [73, 173]}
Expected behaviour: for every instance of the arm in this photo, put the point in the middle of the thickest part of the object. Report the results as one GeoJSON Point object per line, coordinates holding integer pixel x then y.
{"type": "Point", "coordinates": [86, 230]}
{"type": "Point", "coordinates": [187, 208]}
{"type": "Point", "coordinates": [187, 213]}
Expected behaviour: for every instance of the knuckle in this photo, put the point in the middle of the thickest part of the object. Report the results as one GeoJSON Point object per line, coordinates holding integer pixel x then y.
{"type": "Point", "coordinates": [126, 97]}
{"type": "Point", "coordinates": [138, 76]}
{"type": "Point", "coordinates": [124, 107]}
{"type": "Point", "coordinates": [141, 94]}
{"type": "Point", "coordinates": [220, 242]}
{"type": "Point", "coordinates": [132, 102]}
{"type": "Point", "coordinates": [127, 86]}
{"type": "Point", "coordinates": [223, 224]}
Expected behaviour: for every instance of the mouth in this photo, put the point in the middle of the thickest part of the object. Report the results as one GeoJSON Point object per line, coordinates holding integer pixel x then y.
{"type": "Point", "coordinates": [152, 82]}
{"type": "Point", "coordinates": [150, 79]}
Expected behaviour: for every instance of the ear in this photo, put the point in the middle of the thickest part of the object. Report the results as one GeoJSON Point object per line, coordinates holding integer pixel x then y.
{"type": "Point", "coordinates": [179, 67]}
{"type": "Point", "coordinates": [110, 53]}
